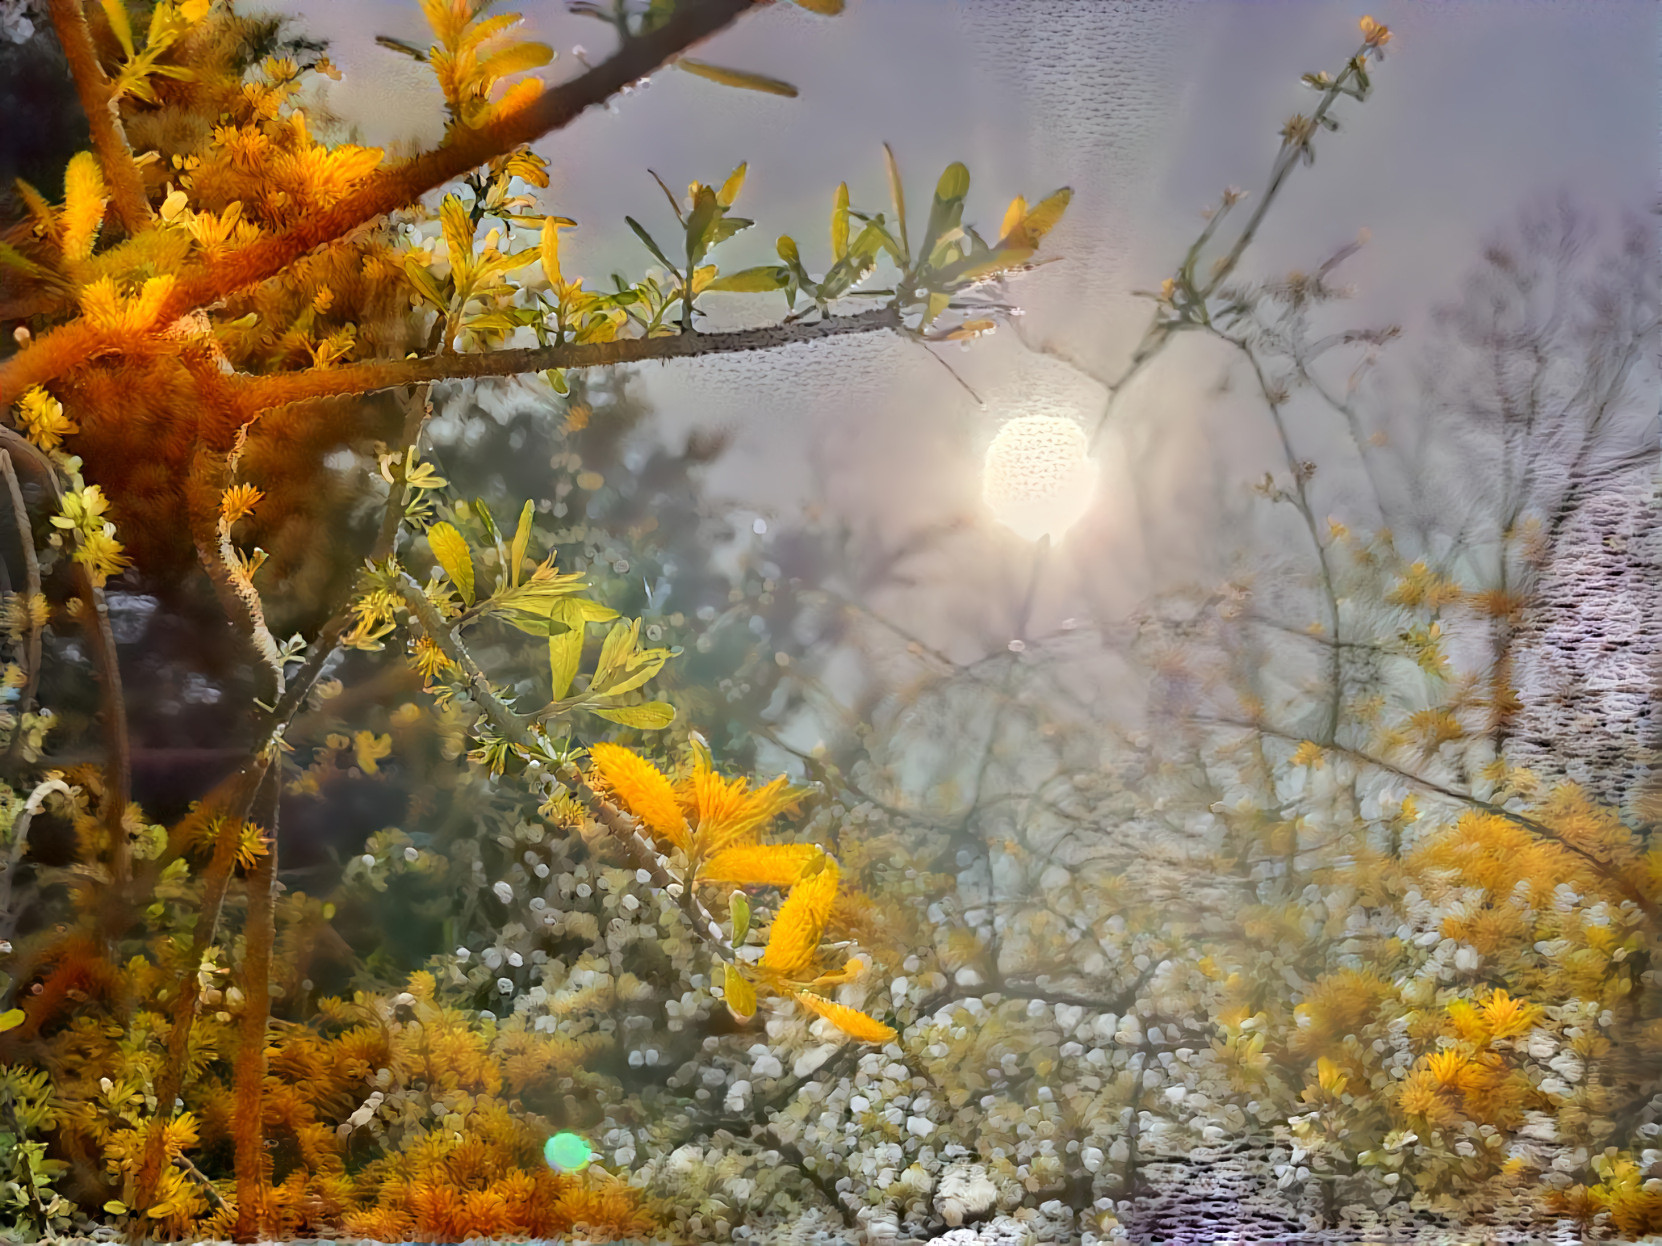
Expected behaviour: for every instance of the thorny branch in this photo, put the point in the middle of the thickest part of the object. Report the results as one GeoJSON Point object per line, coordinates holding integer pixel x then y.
{"type": "Point", "coordinates": [521, 732]}
{"type": "Point", "coordinates": [98, 101]}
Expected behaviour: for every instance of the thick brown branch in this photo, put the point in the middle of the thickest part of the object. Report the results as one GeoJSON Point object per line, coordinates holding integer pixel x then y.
{"type": "Point", "coordinates": [387, 190]}
{"type": "Point", "coordinates": [98, 100]}
{"type": "Point", "coordinates": [259, 393]}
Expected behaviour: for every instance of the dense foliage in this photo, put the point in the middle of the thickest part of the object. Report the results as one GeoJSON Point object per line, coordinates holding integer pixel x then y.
{"type": "Point", "coordinates": [540, 955]}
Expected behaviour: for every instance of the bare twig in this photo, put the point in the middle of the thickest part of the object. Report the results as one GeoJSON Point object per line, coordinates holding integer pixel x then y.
{"type": "Point", "coordinates": [31, 588]}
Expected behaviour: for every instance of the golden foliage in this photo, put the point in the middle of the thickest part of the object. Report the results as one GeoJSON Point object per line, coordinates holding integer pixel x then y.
{"type": "Point", "coordinates": [799, 924]}
{"type": "Point", "coordinates": [850, 1021]}
{"type": "Point", "coordinates": [643, 790]}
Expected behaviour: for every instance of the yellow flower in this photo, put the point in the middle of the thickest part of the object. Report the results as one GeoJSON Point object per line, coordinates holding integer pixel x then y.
{"type": "Point", "coordinates": [643, 790]}
{"type": "Point", "coordinates": [429, 659]}
{"type": "Point", "coordinates": [238, 501]}
{"type": "Point", "coordinates": [102, 555]}
{"type": "Point", "coordinates": [1374, 34]}
{"type": "Point", "coordinates": [1507, 1016]}
{"type": "Point", "coordinates": [1308, 754]}
{"type": "Point", "coordinates": [43, 419]}
{"type": "Point", "coordinates": [1448, 1067]}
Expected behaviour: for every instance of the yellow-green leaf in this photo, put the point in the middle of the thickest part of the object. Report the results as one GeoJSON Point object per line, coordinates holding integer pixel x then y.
{"type": "Point", "coordinates": [517, 58]}
{"type": "Point", "coordinates": [11, 1019]}
{"type": "Point", "coordinates": [1042, 217]}
{"type": "Point", "coordinates": [116, 1207]}
{"type": "Point", "coordinates": [738, 908]}
{"type": "Point", "coordinates": [757, 280]}
{"type": "Point", "coordinates": [732, 186]}
{"type": "Point", "coordinates": [830, 8]}
{"type": "Point", "coordinates": [651, 716]}
{"type": "Point", "coordinates": [740, 78]}
{"type": "Point", "coordinates": [565, 650]}
{"type": "Point", "coordinates": [450, 548]}
{"type": "Point", "coordinates": [897, 192]}
{"type": "Point", "coordinates": [839, 221]}
{"type": "Point", "coordinates": [522, 541]}
{"type": "Point", "coordinates": [550, 247]}
{"type": "Point", "coordinates": [458, 235]}
{"type": "Point", "coordinates": [741, 996]}
{"type": "Point", "coordinates": [424, 282]}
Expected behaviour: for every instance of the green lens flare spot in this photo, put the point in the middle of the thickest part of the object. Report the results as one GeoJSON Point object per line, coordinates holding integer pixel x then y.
{"type": "Point", "coordinates": [566, 1152]}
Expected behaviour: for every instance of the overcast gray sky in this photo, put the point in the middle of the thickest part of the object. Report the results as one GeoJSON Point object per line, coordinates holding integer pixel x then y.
{"type": "Point", "coordinates": [1148, 110]}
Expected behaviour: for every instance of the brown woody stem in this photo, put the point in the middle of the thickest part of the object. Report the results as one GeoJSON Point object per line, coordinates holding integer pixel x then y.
{"type": "Point", "coordinates": [98, 100]}
{"type": "Point", "coordinates": [258, 393]}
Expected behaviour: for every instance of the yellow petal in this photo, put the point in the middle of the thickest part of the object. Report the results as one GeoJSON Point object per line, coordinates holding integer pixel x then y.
{"type": "Point", "coordinates": [760, 865]}
{"type": "Point", "coordinates": [801, 921]}
{"type": "Point", "coordinates": [643, 790]}
{"type": "Point", "coordinates": [850, 1021]}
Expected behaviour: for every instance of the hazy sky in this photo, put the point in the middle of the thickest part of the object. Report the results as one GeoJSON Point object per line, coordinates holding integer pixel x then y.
{"type": "Point", "coordinates": [1148, 110]}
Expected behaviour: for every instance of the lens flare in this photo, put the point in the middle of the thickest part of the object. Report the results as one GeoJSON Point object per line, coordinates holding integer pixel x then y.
{"type": "Point", "coordinates": [566, 1152]}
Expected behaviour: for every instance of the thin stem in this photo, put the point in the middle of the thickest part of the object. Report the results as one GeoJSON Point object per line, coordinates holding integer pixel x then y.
{"type": "Point", "coordinates": [1301, 502]}
{"type": "Point", "coordinates": [31, 588]}
{"type": "Point", "coordinates": [98, 101]}
{"type": "Point", "coordinates": [249, 1085]}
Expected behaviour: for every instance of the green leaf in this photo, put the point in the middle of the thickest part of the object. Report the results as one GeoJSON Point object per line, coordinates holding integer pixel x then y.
{"type": "Point", "coordinates": [738, 906]}
{"type": "Point", "coordinates": [700, 223]}
{"type": "Point", "coordinates": [947, 210]}
{"type": "Point", "coordinates": [732, 186]}
{"type": "Point", "coordinates": [120, 26]}
{"type": "Point", "coordinates": [650, 245]}
{"type": "Point", "coordinates": [651, 716]}
{"type": "Point", "coordinates": [451, 550]}
{"type": "Point", "coordinates": [522, 541]}
{"type": "Point", "coordinates": [11, 1019]}
{"type": "Point", "coordinates": [897, 193]}
{"type": "Point", "coordinates": [839, 221]}
{"type": "Point", "coordinates": [116, 1207]}
{"type": "Point", "coordinates": [753, 280]}
{"type": "Point", "coordinates": [565, 650]}
{"type": "Point", "coordinates": [830, 8]}
{"type": "Point", "coordinates": [739, 994]}
{"type": "Point", "coordinates": [740, 78]}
